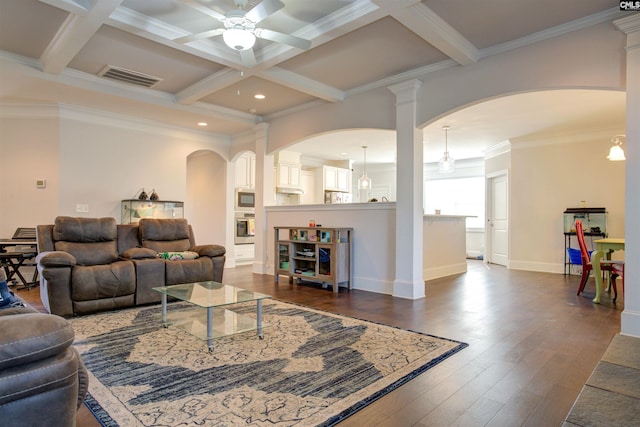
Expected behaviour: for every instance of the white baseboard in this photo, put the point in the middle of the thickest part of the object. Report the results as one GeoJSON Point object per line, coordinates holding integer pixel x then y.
{"type": "Point", "coordinates": [443, 271]}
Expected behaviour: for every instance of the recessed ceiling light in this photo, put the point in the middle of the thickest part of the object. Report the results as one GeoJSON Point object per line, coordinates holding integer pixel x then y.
{"type": "Point", "coordinates": [259, 96]}
{"type": "Point", "coordinates": [343, 154]}
{"type": "Point", "coordinates": [203, 124]}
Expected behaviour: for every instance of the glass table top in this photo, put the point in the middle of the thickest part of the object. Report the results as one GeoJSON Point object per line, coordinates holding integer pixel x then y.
{"type": "Point", "coordinates": [210, 294]}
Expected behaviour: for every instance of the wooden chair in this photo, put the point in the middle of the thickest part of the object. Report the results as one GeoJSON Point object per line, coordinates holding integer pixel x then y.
{"type": "Point", "coordinates": [616, 268]}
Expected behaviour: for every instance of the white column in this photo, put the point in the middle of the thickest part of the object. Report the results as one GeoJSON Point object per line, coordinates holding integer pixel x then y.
{"type": "Point", "coordinates": [408, 282]}
{"type": "Point", "coordinates": [631, 314]}
{"type": "Point", "coordinates": [265, 194]}
{"type": "Point", "coordinates": [230, 223]}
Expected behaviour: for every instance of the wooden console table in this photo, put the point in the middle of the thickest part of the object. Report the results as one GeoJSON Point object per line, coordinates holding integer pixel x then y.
{"type": "Point", "coordinates": [316, 254]}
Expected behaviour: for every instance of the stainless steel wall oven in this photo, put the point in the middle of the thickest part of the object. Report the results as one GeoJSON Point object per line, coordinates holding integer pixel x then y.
{"type": "Point", "coordinates": [245, 228]}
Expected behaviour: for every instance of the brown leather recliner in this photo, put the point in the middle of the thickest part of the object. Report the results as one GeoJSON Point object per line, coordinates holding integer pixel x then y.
{"type": "Point", "coordinates": [43, 380]}
{"type": "Point", "coordinates": [80, 269]}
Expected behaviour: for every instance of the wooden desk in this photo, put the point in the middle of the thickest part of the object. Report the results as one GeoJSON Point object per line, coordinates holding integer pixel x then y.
{"type": "Point", "coordinates": [604, 247]}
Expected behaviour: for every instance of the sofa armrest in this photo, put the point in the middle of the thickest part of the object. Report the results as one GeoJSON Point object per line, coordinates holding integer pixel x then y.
{"type": "Point", "coordinates": [55, 259]}
{"type": "Point", "coordinates": [28, 337]}
{"type": "Point", "coordinates": [139, 253]}
{"type": "Point", "coordinates": [211, 251]}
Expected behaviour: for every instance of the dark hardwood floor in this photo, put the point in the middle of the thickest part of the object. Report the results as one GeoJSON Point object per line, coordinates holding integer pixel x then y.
{"type": "Point", "coordinates": [532, 344]}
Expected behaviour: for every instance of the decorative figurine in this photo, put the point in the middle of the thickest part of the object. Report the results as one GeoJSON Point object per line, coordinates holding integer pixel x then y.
{"type": "Point", "coordinates": [143, 195]}
{"type": "Point", "coordinates": [154, 195]}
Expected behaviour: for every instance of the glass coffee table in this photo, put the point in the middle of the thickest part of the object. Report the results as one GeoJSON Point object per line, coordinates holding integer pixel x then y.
{"type": "Point", "coordinates": [213, 296]}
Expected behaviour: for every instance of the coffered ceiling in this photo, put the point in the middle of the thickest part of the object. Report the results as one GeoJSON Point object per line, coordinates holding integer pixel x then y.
{"type": "Point", "coordinates": [56, 50]}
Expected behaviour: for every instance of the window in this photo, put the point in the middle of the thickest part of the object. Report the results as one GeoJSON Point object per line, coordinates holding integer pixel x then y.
{"type": "Point", "coordinates": [457, 196]}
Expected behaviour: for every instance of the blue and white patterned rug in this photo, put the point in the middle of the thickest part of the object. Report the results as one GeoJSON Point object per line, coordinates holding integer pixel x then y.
{"type": "Point", "coordinates": [312, 368]}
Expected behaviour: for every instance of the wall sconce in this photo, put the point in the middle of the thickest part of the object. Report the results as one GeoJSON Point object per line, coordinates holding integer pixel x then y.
{"type": "Point", "coordinates": [616, 153]}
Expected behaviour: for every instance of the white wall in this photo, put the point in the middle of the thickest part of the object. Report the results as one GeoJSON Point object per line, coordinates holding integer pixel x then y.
{"type": "Point", "coordinates": [29, 150]}
{"type": "Point", "coordinates": [373, 237]}
{"type": "Point", "coordinates": [92, 158]}
{"type": "Point", "coordinates": [546, 179]}
{"type": "Point", "coordinates": [206, 184]}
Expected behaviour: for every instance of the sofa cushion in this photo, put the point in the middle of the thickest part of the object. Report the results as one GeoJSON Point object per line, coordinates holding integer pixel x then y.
{"type": "Point", "coordinates": [188, 271]}
{"type": "Point", "coordinates": [103, 281]}
{"type": "Point", "coordinates": [139, 253]}
{"type": "Point", "coordinates": [165, 235]}
{"type": "Point", "coordinates": [85, 230]}
{"type": "Point", "coordinates": [91, 241]}
{"type": "Point", "coordinates": [90, 253]}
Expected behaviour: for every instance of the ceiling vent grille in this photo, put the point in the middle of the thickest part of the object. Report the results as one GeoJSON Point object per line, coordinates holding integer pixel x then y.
{"type": "Point", "coordinates": [129, 76]}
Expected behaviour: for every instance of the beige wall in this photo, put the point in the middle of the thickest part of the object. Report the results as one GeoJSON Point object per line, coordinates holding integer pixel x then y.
{"type": "Point", "coordinates": [206, 187]}
{"type": "Point", "coordinates": [97, 160]}
{"type": "Point", "coordinates": [29, 150]}
{"type": "Point", "coordinates": [545, 179]}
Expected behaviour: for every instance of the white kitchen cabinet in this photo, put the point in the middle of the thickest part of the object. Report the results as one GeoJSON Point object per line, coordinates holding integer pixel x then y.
{"type": "Point", "coordinates": [246, 171]}
{"type": "Point", "coordinates": [289, 175]}
{"type": "Point", "coordinates": [244, 253]}
{"type": "Point", "coordinates": [337, 179]}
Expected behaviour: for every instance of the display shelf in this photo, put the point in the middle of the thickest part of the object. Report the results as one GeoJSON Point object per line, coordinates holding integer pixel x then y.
{"type": "Point", "coordinates": [315, 254]}
{"type": "Point", "coordinates": [135, 209]}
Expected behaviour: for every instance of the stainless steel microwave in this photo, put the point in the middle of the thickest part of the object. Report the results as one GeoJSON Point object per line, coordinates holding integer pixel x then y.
{"type": "Point", "coordinates": [245, 200]}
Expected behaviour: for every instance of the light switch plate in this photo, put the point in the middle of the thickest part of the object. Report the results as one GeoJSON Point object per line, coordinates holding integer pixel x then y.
{"type": "Point", "coordinates": [82, 208]}
{"type": "Point", "coordinates": [41, 183]}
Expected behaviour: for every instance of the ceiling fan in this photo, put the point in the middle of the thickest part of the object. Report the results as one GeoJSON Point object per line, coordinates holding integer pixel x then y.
{"type": "Point", "coordinates": [240, 31]}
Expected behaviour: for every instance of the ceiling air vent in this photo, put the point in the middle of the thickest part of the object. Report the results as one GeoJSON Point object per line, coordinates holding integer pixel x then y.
{"type": "Point", "coordinates": [129, 76]}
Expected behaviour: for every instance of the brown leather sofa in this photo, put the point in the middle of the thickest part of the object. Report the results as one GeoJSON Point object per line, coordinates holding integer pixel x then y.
{"type": "Point", "coordinates": [93, 264]}
{"type": "Point", "coordinates": [42, 378]}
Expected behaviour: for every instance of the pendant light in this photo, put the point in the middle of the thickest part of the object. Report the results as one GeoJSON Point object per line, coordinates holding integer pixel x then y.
{"type": "Point", "coordinates": [446, 164]}
{"type": "Point", "coordinates": [616, 153]}
{"type": "Point", "coordinates": [364, 182]}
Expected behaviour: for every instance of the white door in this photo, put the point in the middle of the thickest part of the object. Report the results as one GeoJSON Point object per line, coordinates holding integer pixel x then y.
{"type": "Point", "coordinates": [498, 220]}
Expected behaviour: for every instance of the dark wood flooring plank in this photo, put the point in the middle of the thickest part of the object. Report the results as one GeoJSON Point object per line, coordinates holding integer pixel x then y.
{"type": "Point", "coordinates": [532, 344]}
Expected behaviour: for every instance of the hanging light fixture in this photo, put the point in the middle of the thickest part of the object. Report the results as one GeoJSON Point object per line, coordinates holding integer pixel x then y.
{"type": "Point", "coordinates": [447, 163]}
{"type": "Point", "coordinates": [364, 182]}
{"type": "Point", "coordinates": [616, 153]}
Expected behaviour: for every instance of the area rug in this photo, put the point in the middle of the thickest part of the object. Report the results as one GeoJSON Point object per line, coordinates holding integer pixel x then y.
{"type": "Point", "coordinates": [312, 368]}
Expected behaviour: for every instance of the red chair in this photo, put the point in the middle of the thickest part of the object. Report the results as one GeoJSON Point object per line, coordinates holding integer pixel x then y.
{"type": "Point", "coordinates": [616, 268]}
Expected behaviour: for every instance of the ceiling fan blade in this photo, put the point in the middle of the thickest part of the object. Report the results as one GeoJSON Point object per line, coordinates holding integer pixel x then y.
{"type": "Point", "coordinates": [263, 10]}
{"type": "Point", "coordinates": [248, 58]}
{"type": "Point", "coordinates": [204, 9]}
{"type": "Point", "coordinates": [199, 36]}
{"type": "Point", "coordinates": [274, 36]}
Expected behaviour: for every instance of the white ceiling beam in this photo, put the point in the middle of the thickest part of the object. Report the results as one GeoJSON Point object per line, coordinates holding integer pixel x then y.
{"type": "Point", "coordinates": [427, 24]}
{"type": "Point", "coordinates": [302, 84]}
{"type": "Point", "coordinates": [209, 85]}
{"type": "Point", "coordinates": [74, 33]}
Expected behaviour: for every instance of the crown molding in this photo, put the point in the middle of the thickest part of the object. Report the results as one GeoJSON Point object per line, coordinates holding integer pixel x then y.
{"type": "Point", "coordinates": [51, 110]}
{"type": "Point", "coordinates": [575, 25]}
{"type": "Point", "coordinates": [628, 24]}
{"type": "Point", "coordinates": [498, 149]}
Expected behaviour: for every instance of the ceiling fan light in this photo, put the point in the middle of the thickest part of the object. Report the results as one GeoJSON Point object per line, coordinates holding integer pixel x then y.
{"type": "Point", "coordinates": [239, 39]}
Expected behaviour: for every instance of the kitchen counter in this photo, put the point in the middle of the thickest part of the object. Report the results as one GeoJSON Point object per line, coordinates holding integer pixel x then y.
{"type": "Point", "coordinates": [444, 245]}
{"type": "Point", "coordinates": [374, 239]}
